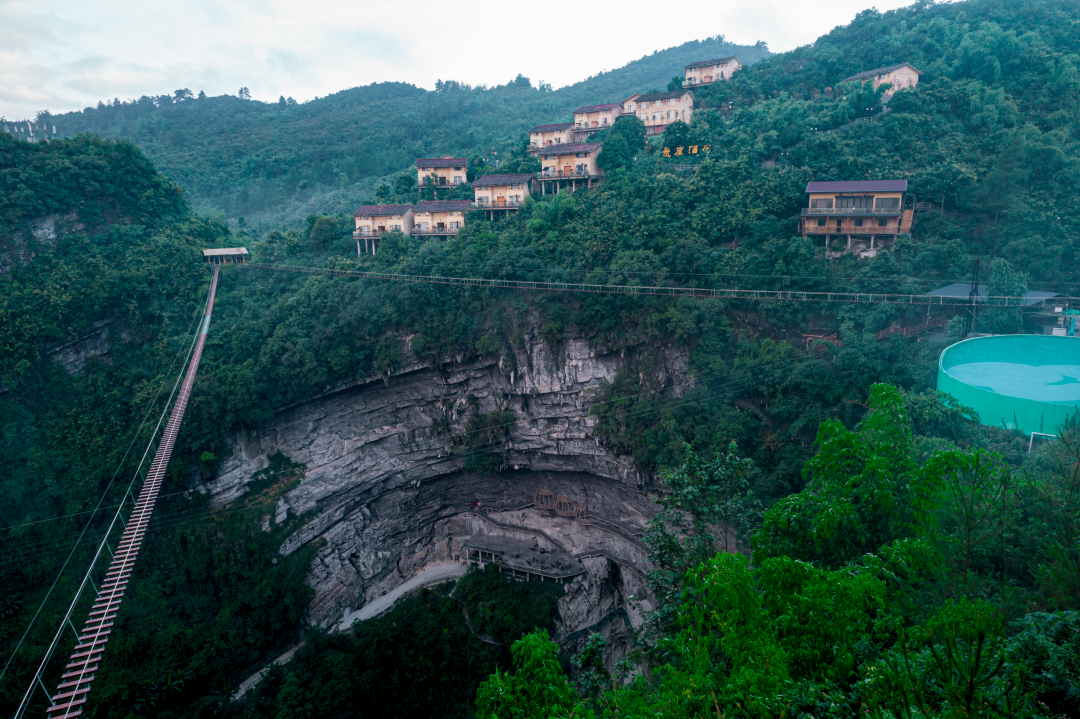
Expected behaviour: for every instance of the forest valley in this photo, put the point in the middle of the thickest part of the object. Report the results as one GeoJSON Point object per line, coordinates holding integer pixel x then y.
{"type": "Point", "coordinates": [888, 555]}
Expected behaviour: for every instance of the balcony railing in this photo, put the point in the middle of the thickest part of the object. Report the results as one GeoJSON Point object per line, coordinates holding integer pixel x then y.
{"type": "Point", "coordinates": [512, 204]}
{"type": "Point", "coordinates": [428, 183]}
{"type": "Point", "coordinates": [592, 128]}
{"type": "Point", "coordinates": [552, 174]}
{"type": "Point", "coordinates": [852, 211]}
{"type": "Point", "coordinates": [358, 235]}
{"type": "Point", "coordinates": [417, 232]}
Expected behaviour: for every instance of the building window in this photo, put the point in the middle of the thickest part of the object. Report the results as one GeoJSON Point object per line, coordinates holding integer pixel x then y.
{"type": "Point", "coordinates": [888, 203]}
{"type": "Point", "coordinates": [864, 202]}
{"type": "Point", "coordinates": [821, 223]}
{"type": "Point", "coordinates": [821, 204]}
{"type": "Point", "coordinates": [457, 179]}
{"type": "Point", "coordinates": [882, 222]}
{"type": "Point", "coordinates": [858, 223]}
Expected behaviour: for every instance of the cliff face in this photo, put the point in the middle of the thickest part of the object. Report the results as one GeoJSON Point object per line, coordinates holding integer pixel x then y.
{"type": "Point", "coordinates": [388, 493]}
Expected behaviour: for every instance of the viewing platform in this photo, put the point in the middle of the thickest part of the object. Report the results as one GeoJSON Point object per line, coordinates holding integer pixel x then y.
{"type": "Point", "coordinates": [523, 560]}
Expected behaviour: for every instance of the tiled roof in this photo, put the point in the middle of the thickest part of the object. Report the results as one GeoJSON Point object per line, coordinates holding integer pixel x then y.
{"type": "Point", "coordinates": [710, 63]}
{"type": "Point", "coordinates": [570, 148]}
{"type": "Point", "coordinates": [658, 96]}
{"type": "Point", "coordinates": [441, 162]}
{"type": "Point", "coordinates": [880, 71]}
{"type": "Point", "coordinates": [858, 186]}
{"type": "Point", "coordinates": [552, 128]}
{"type": "Point", "coordinates": [959, 290]}
{"type": "Point", "coordinates": [598, 108]}
{"type": "Point", "coordinates": [441, 205]}
{"type": "Point", "coordinates": [500, 180]}
{"type": "Point", "coordinates": [371, 210]}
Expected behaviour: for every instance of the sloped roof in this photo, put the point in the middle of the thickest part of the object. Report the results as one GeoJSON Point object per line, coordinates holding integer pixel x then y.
{"type": "Point", "coordinates": [710, 63]}
{"type": "Point", "coordinates": [598, 108]}
{"type": "Point", "coordinates": [379, 210]}
{"type": "Point", "coordinates": [858, 186]}
{"type": "Point", "coordinates": [962, 290]}
{"type": "Point", "coordinates": [570, 148]}
{"type": "Point", "coordinates": [441, 162]}
{"type": "Point", "coordinates": [658, 96]}
{"type": "Point", "coordinates": [499, 180]}
{"type": "Point", "coordinates": [224, 251]}
{"type": "Point", "coordinates": [441, 205]}
{"type": "Point", "coordinates": [881, 71]}
{"type": "Point", "coordinates": [552, 128]}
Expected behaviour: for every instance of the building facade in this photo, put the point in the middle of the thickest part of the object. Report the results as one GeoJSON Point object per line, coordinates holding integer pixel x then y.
{"type": "Point", "coordinates": [558, 134]}
{"type": "Point", "coordinates": [500, 193]}
{"type": "Point", "coordinates": [374, 220]}
{"type": "Point", "coordinates": [593, 118]}
{"type": "Point", "coordinates": [900, 77]}
{"type": "Point", "coordinates": [707, 72]}
{"type": "Point", "coordinates": [861, 213]}
{"type": "Point", "coordinates": [659, 109]}
{"type": "Point", "coordinates": [567, 166]}
{"type": "Point", "coordinates": [439, 218]}
{"type": "Point", "coordinates": [442, 171]}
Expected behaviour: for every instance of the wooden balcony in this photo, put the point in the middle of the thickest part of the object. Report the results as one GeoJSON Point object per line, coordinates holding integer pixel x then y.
{"type": "Point", "coordinates": [862, 221]}
{"type": "Point", "coordinates": [435, 231]}
{"type": "Point", "coordinates": [508, 205]}
{"type": "Point", "coordinates": [564, 174]}
{"type": "Point", "coordinates": [852, 211]}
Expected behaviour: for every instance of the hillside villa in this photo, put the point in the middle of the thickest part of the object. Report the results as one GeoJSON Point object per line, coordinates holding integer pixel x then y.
{"type": "Point", "coordinates": [860, 212]}
{"type": "Point", "coordinates": [900, 76]}
{"type": "Point", "coordinates": [373, 220]}
{"type": "Point", "coordinates": [557, 134]}
{"type": "Point", "coordinates": [442, 171]}
{"type": "Point", "coordinates": [592, 118]}
{"type": "Point", "coordinates": [570, 164]}
{"type": "Point", "coordinates": [495, 193]}
{"type": "Point", "coordinates": [439, 218]}
{"type": "Point", "coordinates": [707, 72]}
{"type": "Point", "coordinates": [659, 109]}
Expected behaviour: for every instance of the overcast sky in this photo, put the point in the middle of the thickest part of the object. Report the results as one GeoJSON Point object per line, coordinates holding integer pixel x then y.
{"type": "Point", "coordinates": [64, 55]}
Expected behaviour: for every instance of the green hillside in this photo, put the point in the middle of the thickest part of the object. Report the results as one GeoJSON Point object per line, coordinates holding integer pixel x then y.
{"type": "Point", "coordinates": [907, 561]}
{"type": "Point", "coordinates": [246, 157]}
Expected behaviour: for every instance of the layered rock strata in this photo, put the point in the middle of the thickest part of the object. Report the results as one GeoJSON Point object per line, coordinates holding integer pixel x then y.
{"type": "Point", "coordinates": [387, 489]}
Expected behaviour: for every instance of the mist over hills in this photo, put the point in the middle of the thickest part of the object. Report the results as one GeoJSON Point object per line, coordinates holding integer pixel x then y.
{"type": "Point", "coordinates": [859, 546]}
{"type": "Point", "coordinates": [248, 157]}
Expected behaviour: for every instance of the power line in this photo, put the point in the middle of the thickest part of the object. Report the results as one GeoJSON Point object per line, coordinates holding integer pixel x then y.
{"type": "Point", "coordinates": [655, 291]}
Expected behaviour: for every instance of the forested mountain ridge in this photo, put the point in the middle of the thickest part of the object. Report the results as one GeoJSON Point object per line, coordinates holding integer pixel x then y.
{"type": "Point", "coordinates": [866, 561]}
{"type": "Point", "coordinates": [245, 156]}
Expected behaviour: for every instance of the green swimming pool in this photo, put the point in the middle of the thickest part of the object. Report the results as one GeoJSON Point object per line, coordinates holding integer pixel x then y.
{"type": "Point", "coordinates": [1029, 382]}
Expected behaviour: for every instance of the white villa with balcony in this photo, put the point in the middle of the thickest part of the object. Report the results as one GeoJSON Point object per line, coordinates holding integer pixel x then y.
{"type": "Point", "coordinates": [445, 171]}
{"type": "Point", "coordinates": [439, 218]}
{"type": "Point", "coordinates": [659, 109]}
{"type": "Point", "coordinates": [593, 118]}
{"type": "Point", "coordinates": [501, 193]}
{"type": "Point", "coordinates": [707, 72]}
{"type": "Point", "coordinates": [861, 212]}
{"type": "Point", "coordinates": [556, 134]}
{"type": "Point", "coordinates": [567, 166]}
{"type": "Point", "coordinates": [372, 221]}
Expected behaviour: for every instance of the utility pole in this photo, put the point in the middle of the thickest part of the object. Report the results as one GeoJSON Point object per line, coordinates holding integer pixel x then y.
{"type": "Point", "coordinates": [973, 298]}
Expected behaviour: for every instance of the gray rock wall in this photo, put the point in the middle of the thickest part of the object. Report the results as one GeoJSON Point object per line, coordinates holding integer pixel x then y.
{"type": "Point", "coordinates": [389, 495]}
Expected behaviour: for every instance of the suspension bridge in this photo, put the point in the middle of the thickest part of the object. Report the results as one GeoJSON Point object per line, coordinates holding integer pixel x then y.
{"type": "Point", "coordinates": [73, 689]}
